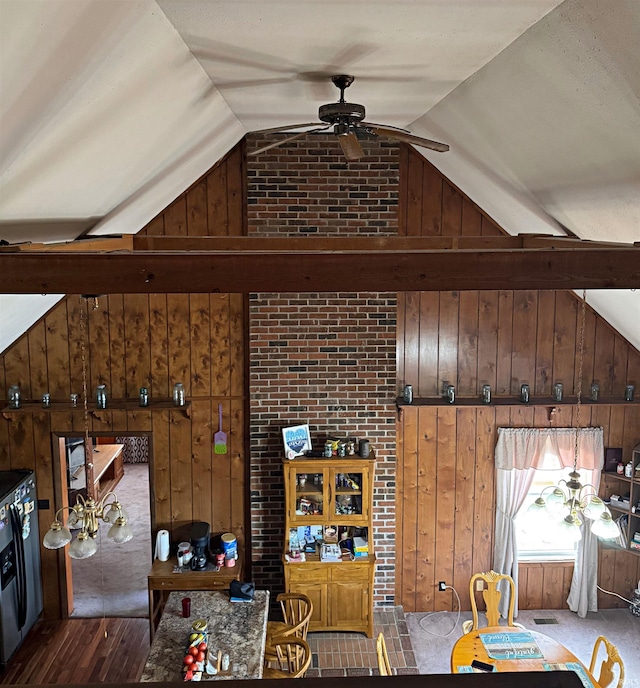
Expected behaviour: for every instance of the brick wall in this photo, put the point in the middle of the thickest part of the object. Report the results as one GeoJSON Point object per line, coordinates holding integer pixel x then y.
{"type": "Point", "coordinates": [324, 359]}
{"type": "Point", "coordinates": [306, 187]}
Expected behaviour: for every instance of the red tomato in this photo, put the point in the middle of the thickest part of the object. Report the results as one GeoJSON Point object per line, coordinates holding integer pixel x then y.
{"type": "Point", "coordinates": [200, 657]}
{"type": "Point", "coordinates": [202, 647]}
{"type": "Point", "coordinates": [189, 659]}
{"type": "Point", "coordinates": [193, 651]}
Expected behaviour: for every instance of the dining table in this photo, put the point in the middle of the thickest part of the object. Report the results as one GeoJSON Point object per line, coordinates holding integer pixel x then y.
{"type": "Point", "coordinates": [236, 630]}
{"type": "Point", "coordinates": [515, 649]}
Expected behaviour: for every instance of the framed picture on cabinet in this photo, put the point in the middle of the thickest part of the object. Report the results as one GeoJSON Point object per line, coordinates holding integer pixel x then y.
{"type": "Point", "coordinates": [297, 440]}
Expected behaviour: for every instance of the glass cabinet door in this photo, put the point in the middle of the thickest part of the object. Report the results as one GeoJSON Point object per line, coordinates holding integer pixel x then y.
{"type": "Point", "coordinates": [348, 495]}
{"type": "Point", "coordinates": [310, 500]}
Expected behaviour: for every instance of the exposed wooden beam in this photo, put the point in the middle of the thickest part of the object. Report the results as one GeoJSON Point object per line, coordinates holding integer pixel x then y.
{"type": "Point", "coordinates": [388, 266]}
{"type": "Point", "coordinates": [134, 243]}
{"type": "Point", "coordinates": [106, 243]}
{"type": "Point", "coordinates": [373, 243]}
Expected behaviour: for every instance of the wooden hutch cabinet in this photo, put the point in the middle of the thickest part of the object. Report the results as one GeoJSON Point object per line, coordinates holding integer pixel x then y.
{"type": "Point", "coordinates": [329, 499]}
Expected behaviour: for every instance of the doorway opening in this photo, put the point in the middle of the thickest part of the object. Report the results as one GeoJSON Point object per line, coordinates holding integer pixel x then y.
{"type": "Point", "coordinates": [113, 582]}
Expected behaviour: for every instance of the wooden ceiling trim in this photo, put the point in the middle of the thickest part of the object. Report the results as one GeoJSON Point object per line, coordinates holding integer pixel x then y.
{"type": "Point", "coordinates": [289, 245]}
{"type": "Point", "coordinates": [387, 266]}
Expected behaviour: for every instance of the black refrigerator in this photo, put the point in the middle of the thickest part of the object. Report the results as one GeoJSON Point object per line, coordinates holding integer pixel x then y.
{"type": "Point", "coordinates": [21, 586]}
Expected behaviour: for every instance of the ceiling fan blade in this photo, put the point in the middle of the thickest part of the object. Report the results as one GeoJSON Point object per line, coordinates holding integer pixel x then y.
{"type": "Point", "coordinates": [286, 127]}
{"type": "Point", "coordinates": [350, 146]}
{"type": "Point", "coordinates": [289, 138]}
{"type": "Point", "coordinates": [252, 83]}
{"type": "Point", "coordinates": [391, 133]}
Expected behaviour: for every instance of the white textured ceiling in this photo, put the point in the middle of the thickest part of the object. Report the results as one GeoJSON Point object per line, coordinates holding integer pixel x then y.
{"type": "Point", "coordinates": [110, 109]}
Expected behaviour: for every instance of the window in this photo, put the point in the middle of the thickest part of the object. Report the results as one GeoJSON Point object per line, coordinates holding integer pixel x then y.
{"type": "Point", "coordinates": [538, 538]}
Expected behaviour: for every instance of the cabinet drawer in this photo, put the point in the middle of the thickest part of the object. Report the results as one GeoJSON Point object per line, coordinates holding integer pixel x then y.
{"type": "Point", "coordinates": [350, 572]}
{"type": "Point", "coordinates": [299, 573]}
{"type": "Point", "coordinates": [180, 582]}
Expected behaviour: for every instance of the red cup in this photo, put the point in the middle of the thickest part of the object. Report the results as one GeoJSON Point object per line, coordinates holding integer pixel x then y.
{"type": "Point", "coordinates": [220, 559]}
{"type": "Point", "coordinates": [186, 607]}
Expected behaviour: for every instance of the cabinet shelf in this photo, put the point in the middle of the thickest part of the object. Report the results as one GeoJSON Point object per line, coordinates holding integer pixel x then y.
{"type": "Point", "coordinates": [617, 476]}
{"type": "Point", "coordinates": [512, 401]}
{"type": "Point", "coordinates": [112, 405]}
{"type": "Point", "coordinates": [619, 509]}
{"type": "Point", "coordinates": [614, 483]}
{"type": "Point", "coordinates": [313, 489]}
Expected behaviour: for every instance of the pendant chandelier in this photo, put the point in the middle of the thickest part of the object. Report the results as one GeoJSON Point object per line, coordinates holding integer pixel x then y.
{"type": "Point", "coordinates": [570, 500]}
{"type": "Point", "coordinates": [85, 515]}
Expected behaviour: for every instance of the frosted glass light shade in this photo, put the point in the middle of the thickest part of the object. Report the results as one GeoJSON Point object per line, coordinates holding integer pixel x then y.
{"type": "Point", "coordinates": [537, 514]}
{"type": "Point", "coordinates": [74, 521]}
{"type": "Point", "coordinates": [113, 512]}
{"type": "Point", "coordinates": [537, 507]}
{"type": "Point", "coordinates": [594, 509]}
{"type": "Point", "coordinates": [556, 499]}
{"type": "Point", "coordinates": [571, 528]}
{"type": "Point", "coordinates": [57, 536]}
{"type": "Point", "coordinates": [120, 532]}
{"type": "Point", "coordinates": [605, 527]}
{"type": "Point", "coordinates": [82, 547]}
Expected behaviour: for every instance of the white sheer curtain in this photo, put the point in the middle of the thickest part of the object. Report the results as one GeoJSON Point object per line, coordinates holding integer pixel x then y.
{"type": "Point", "coordinates": [519, 451]}
{"type": "Point", "coordinates": [583, 595]}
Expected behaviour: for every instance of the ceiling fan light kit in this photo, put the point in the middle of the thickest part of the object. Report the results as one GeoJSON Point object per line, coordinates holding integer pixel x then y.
{"type": "Point", "coordinates": [347, 120]}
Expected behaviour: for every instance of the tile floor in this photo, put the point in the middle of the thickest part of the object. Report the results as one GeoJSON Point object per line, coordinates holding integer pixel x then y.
{"type": "Point", "coordinates": [353, 654]}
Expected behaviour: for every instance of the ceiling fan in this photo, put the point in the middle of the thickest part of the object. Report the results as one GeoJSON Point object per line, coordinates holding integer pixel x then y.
{"type": "Point", "coordinates": [347, 120]}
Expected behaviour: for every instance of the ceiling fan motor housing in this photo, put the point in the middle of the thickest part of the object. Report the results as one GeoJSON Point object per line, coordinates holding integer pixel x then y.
{"type": "Point", "coordinates": [333, 113]}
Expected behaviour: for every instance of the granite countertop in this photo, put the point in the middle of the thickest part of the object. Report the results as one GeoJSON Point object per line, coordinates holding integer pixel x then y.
{"type": "Point", "coordinates": [236, 628]}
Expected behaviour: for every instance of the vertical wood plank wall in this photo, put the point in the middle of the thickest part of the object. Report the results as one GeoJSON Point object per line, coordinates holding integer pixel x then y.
{"type": "Point", "coordinates": [445, 482]}
{"type": "Point", "coordinates": [153, 340]}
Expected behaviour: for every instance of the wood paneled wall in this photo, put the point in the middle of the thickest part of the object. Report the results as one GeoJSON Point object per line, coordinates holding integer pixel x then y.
{"type": "Point", "coordinates": [445, 505]}
{"type": "Point", "coordinates": [444, 455]}
{"type": "Point", "coordinates": [154, 340]}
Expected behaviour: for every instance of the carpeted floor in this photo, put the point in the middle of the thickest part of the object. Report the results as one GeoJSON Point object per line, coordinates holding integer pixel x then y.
{"type": "Point", "coordinates": [432, 649]}
{"type": "Point", "coordinates": [114, 581]}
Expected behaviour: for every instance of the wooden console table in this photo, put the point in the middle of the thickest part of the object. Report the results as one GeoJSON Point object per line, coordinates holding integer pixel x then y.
{"type": "Point", "coordinates": [162, 580]}
{"type": "Point", "coordinates": [107, 468]}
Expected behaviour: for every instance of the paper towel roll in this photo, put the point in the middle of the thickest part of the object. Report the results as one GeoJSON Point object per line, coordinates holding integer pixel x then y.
{"type": "Point", "coordinates": [162, 545]}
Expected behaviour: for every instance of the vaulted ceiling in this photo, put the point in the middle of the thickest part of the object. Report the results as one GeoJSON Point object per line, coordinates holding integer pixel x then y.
{"type": "Point", "coordinates": [109, 110]}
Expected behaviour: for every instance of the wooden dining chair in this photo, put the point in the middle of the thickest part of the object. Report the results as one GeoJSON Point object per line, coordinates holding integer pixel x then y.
{"type": "Point", "coordinates": [297, 610]}
{"type": "Point", "coordinates": [607, 666]}
{"type": "Point", "coordinates": [383, 658]}
{"type": "Point", "coordinates": [293, 657]}
{"type": "Point", "coordinates": [491, 596]}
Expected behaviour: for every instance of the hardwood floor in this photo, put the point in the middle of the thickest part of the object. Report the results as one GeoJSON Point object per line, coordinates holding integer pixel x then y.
{"type": "Point", "coordinates": [75, 651]}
